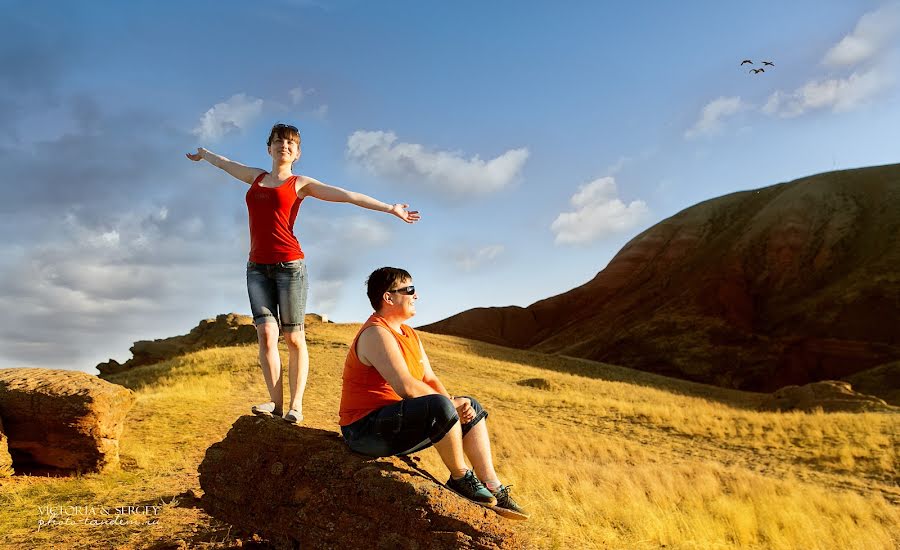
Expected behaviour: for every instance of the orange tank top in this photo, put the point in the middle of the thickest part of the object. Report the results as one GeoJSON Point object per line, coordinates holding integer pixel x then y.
{"type": "Point", "coordinates": [364, 389]}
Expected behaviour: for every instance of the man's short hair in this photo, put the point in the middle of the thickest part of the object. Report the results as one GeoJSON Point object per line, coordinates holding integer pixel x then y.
{"type": "Point", "coordinates": [381, 280]}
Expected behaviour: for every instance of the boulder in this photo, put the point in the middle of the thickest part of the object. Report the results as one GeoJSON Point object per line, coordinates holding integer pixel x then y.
{"type": "Point", "coordinates": [60, 422]}
{"type": "Point", "coordinates": [303, 486]}
{"type": "Point", "coordinates": [6, 468]}
{"type": "Point", "coordinates": [829, 395]}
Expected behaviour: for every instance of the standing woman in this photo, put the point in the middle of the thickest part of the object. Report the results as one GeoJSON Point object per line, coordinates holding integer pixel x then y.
{"type": "Point", "coordinates": [276, 273]}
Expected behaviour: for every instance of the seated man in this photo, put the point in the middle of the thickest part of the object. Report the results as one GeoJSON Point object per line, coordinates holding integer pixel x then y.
{"type": "Point", "coordinates": [392, 403]}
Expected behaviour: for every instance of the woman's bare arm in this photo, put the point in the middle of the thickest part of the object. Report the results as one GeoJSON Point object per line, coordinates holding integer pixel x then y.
{"type": "Point", "coordinates": [309, 187]}
{"type": "Point", "coordinates": [244, 173]}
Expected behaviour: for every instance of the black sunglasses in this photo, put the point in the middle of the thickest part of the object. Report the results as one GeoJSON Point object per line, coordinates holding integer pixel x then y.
{"type": "Point", "coordinates": [286, 127]}
{"type": "Point", "coordinates": [408, 290]}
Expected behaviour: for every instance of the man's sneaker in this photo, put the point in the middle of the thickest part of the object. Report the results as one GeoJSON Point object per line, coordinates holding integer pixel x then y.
{"type": "Point", "coordinates": [471, 488]}
{"type": "Point", "coordinates": [265, 409]}
{"type": "Point", "coordinates": [293, 416]}
{"type": "Point", "coordinates": [506, 506]}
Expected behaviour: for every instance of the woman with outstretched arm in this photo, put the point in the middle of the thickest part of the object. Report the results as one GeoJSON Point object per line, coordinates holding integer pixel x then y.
{"type": "Point", "coordinates": [277, 280]}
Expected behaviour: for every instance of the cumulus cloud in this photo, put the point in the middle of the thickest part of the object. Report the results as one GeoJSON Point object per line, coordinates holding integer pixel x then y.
{"type": "Point", "coordinates": [868, 52]}
{"type": "Point", "coordinates": [598, 212]}
{"type": "Point", "coordinates": [90, 291]}
{"type": "Point", "coordinates": [473, 260]}
{"type": "Point", "coordinates": [837, 94]}
{"type": "Point", "coordinates": [873, 32]}
{"type": "Point", "coordinates": [445, 172]}
{"type": "Point", "coordinates": [229, 116]}
{"type": "Point", "coordinates": [712, 115]}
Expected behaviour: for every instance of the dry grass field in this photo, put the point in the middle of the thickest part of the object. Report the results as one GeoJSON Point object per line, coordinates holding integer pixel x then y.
{"type": "Point", "coordinates": [605, 457]}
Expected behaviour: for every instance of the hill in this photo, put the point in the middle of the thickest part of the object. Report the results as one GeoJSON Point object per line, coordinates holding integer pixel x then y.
{"type": "Point", "coordinates": [789, 284]}
{"type": "Point", "coordinates": [605, 456]}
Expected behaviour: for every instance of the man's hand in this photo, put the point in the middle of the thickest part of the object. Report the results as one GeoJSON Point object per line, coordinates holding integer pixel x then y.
{"type": "Point", "coordinates": [464, 409]}
{"type": "Point", "coordinates": [400, 210]}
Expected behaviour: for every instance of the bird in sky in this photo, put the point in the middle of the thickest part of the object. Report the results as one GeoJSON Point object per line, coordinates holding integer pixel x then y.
{"type": "Point", "coordinates": [746, 61]}
{"type": "Point", "coordinates": [768, 63]}
{"type": "Point", "coordinates": [755, 71]}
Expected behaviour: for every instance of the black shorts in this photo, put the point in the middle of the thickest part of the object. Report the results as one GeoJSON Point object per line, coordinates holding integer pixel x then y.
{"type": "Point", "coordinates": [408, 426]}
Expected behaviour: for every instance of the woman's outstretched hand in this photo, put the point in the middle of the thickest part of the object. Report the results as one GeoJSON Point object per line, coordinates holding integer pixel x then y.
{"type": "Point", "coordinates": [196, 156]}
{"type": "Point", "coordinates": [409, 216]}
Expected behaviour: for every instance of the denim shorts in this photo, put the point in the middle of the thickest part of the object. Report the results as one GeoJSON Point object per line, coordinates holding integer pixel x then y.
{"type": "Point", "coordinates": [407, 426]}
{"type": "Point", "coordinates": [278, 293]}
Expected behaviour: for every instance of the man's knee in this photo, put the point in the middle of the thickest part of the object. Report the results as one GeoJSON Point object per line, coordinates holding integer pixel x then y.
{"type": "Point", "coordinates": [442, 409]}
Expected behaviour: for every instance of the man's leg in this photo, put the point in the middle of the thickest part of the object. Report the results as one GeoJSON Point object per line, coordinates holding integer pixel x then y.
{"type": "Point", "coordinates": [450, 448]}
{"type": "Point", "coordinates": [477, 446]}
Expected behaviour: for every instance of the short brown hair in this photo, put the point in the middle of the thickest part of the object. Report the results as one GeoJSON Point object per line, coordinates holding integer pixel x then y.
{"type": "Point", "coordinates": [284, 131]}
{"type": "Point", "coordinates": [381, 280]}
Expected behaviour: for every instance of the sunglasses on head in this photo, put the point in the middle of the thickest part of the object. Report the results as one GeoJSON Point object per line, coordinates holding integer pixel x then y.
{"type": "Point", "coordinates": [286, 127]}
{"type": "Point", "coordinates": [408, 290]}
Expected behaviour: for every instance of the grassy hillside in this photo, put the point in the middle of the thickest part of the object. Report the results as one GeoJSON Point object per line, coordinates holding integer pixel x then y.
{"type": "Point", "coordinates": [605, 457]}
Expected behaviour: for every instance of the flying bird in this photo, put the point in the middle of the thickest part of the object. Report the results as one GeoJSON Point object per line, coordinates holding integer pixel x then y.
{"type": "Point", "coordinates": [768, 63]}
{"type": "Point", "coordinates": [755, 71]}
{"type": "Point", "coordinates": [746, 61]}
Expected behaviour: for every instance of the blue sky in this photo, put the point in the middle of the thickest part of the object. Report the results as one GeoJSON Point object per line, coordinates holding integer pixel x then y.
{"type": "Point", "coordinates": [536, 138]}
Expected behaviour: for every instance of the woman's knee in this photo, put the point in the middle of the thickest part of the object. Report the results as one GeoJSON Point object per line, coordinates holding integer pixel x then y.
{"type": "Point", "coordinates": [295, 338]}
{"type": "Point", "coordinates": [267, 334]}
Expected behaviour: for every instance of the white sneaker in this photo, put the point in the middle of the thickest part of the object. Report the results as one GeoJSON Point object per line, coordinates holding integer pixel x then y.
{"type": "Point", "coordinates": [265, 409]}
{"type": "Point", "coordinates": [293, 416]}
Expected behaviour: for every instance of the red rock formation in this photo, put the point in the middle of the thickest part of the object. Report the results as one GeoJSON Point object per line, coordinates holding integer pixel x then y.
{"type": "Point", "coordinates": [60, 421]}
{"type": "Point", "coordinates": [229, 329]}
{"type": "Point", "coordinates": [303, 487]}
{"type": "Point", "coordinates": [788, 284]}
{"type": "Point", "coordinates": [6, 465]}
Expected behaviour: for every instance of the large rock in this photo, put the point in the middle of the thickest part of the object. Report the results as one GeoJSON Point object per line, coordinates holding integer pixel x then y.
{"type": "Point", "coordinates": [303, 486]}
{"type": "Point", "coordinates": [6, 465]}
{"type": "Point", "coordinates": [828, 395]}
{"type": "Point", "coordinates": [785, 285]}
{"type": "Point", "coordinates": [228, 329]}
{"type": "Point", "coordinates": [60, 421]}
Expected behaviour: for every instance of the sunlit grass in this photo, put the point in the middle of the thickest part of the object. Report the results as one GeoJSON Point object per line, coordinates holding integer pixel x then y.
{"type": "Point", "coordinates": [607, 458]}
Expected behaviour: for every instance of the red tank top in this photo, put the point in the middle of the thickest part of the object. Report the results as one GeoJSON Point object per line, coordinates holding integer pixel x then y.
{"type": "Point", "coordinates": [364, 389]}
{"type": "Point", "coordinates": [272, 213]}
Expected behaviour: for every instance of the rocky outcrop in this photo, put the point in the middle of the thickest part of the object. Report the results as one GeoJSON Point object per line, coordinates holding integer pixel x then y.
{"type": "Point", "coordinates": [229, 329]}
{"type": "Point", "coordinates": [61, 422]}
{"type": "Point", "coordinates": [828, 395]}
{"type": "Point", "coordinates": [6, 465]}
{"type": "Point", "coordinates": [786, 285]}
{"type": "Point", "coordinates": [303, 486]}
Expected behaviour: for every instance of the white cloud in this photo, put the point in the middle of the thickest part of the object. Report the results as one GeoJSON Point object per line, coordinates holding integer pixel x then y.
{"type": "Point", "coordinates": [445, 172]}
{"type": "Point", "coordinates": [324, 296]}
{"type": "Point", "coordinates": [232, 115]}
{"type": "Point", "coordinates": [873, 32]}
{"type": "Point", "coordinates": [837, 94]}
{"type": "Point", "coordinates": [297, 94]}
{"type": "Point", "coordinates": [320, 112]}
{"type": "Point", "coordinates": [869, 48]}
{"type": "Point", "coordinates": [598, 212]}
{"type": "Point", "coordinates": [713, 114]}
{"type": "Point", "coordinates": [468, 262]}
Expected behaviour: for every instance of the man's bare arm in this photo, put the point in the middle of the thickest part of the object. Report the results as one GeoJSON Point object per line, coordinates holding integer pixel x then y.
{"type": "Point", "coordinates": [377, 347]}
{"type": "Point", "coordinates": [244, 173]}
